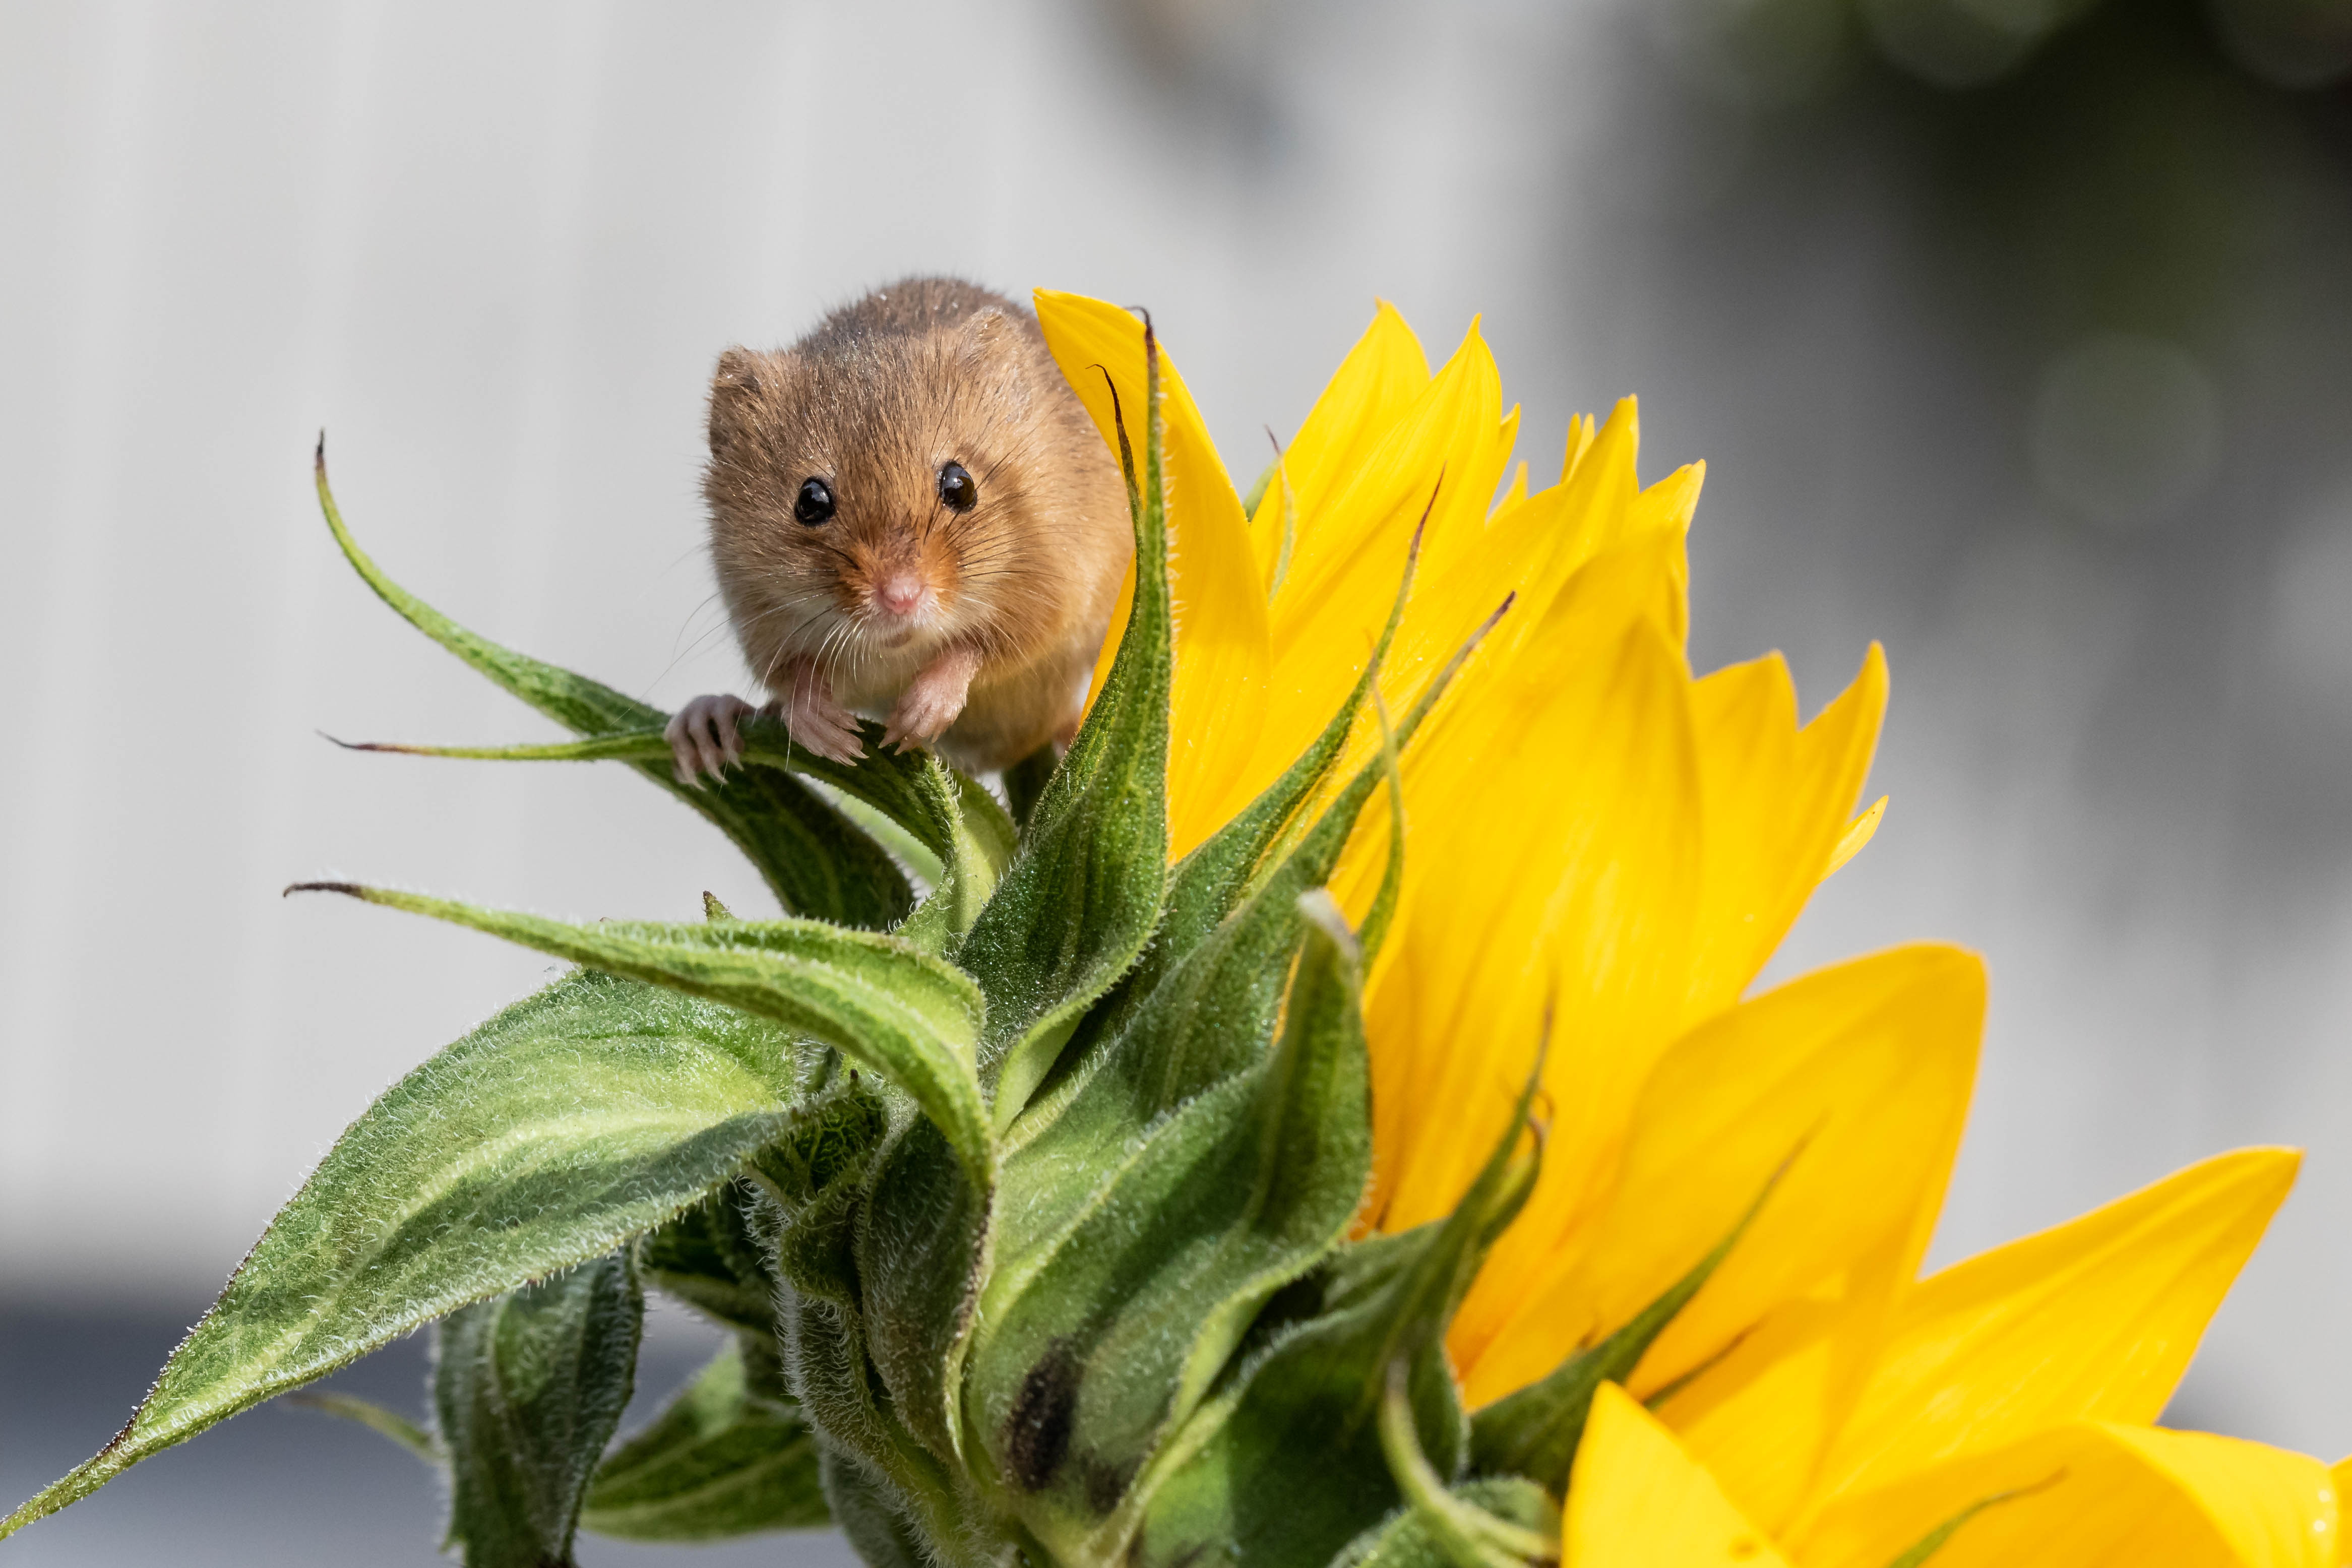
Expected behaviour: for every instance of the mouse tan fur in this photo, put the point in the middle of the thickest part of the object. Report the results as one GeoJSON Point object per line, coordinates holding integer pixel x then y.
{"type": "Point", "coordinates": [912, 518]}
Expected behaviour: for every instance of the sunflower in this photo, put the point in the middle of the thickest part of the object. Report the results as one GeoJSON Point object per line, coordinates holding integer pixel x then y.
{"type": "Point", "coordinates": [1207, 1167]}
{"type": "Point", "coordinates": [1597, 835]}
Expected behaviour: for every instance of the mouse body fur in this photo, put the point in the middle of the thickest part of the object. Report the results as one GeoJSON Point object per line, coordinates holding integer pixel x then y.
{"type": "Point", "coordinates": [913, 518]}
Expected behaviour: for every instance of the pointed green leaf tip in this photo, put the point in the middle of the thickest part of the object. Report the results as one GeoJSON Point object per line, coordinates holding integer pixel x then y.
{"type": "Point", "coordinates": [575, 1119]}
{"type": "Point", "coordinates": [528, 1387]}
{"type": "Point", "coordinates": [811, 858]}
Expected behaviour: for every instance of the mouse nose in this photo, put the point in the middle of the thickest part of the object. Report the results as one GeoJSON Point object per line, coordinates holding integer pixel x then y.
{"type": "Point", "coordinates": [899, 592]}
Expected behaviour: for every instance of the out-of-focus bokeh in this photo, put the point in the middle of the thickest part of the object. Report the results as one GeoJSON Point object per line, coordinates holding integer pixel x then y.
{"type": "Point", "coordinates": [2015, 334]}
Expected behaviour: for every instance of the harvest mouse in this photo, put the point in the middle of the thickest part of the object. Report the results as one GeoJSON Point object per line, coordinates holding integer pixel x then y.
{"type": "Point", "coordinates": [912, 518]}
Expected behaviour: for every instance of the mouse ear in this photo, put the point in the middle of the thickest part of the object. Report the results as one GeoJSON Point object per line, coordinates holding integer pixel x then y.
{"type": "Point", "coordinates": [992, 336]}
{"type": "Point", "coordinates": [732, 389]}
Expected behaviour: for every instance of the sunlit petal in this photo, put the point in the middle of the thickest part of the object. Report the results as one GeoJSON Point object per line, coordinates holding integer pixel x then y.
{"type": "Point", "coordinates": [1856, 1078]}
{"type": "Point", "coordinates": [1639, 1501]}
{"type": "Point", "coordinates": [2098, 1495]}
{"type": "Point", "coordinates": [2092, 1319]}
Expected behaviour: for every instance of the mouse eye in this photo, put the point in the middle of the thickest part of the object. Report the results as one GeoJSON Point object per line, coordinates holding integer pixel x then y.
{"type": "Point", "coordinates": [816, 503]}
{"type": "Point", "coordinates": [958, 489]}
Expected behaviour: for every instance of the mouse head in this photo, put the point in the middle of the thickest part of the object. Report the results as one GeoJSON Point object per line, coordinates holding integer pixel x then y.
{"type": "Point", "coordinates": [874, 493]}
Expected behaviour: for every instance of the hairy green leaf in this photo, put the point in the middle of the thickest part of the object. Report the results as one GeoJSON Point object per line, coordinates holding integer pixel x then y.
{"type": "Point", "coordinates": [875, 1000]}
{"type": "Point", "coordinates": [576, 1119]}
{"type": "Point", "coordinates": [813, 859]}
{"type": "Point", "coordinates": [1225, 1485]}
{"type": "Point", "coordinates": [729, 1455]}
{"type": "Point", "coordinates": [1080, 899]}
{"type": "Point", "coordinates": [528, 1387]}
{"type": "Point", "coordinates": [922, 1246]}
{"type": "Point", "coordinates": [1099, 1336]}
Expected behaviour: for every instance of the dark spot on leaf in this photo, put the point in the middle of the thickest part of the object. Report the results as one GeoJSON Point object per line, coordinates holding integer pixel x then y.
{"type": "Point", "coordinates": [1105, 1484]}
{"type": "Point", "coordinates": [1037, 1433]}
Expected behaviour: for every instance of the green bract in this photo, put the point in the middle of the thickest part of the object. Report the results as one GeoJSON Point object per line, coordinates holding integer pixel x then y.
{"type": "Point", "coordinates": [1026, 1204]}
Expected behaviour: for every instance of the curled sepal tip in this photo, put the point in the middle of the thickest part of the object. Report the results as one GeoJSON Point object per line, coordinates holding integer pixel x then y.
{"type": "Point", "coordinates": [1465, 1535]}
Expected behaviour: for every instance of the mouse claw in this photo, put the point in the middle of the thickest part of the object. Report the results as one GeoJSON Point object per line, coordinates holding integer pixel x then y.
{"type": "Point", "coordinates": [703, 737]}
{"type": "Point", "coordinates": [823, 727]}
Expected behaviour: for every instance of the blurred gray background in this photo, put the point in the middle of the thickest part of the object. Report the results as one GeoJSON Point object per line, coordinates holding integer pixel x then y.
{"type": "Point", "coordinates": [2015, 333]}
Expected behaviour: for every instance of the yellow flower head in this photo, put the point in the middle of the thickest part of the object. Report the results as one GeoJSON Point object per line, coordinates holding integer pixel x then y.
{"type": "Point", "coordinates": [1604, 851]}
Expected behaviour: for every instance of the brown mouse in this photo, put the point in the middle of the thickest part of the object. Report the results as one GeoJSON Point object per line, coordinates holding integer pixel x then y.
{"type": "Point", "coordinates": [912, 518]}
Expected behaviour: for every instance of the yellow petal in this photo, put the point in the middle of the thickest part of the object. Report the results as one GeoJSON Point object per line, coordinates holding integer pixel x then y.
{"type": "Point", "coordinates": [1380, 378]}
{"type": "Point", "coordinates": [1222, 650]}
{"type": "Point", "coordinates": [1639, 1501]}
{"type": "Point", "coordinates": [1590, 516]}
{"type": "Point", "coordinates": [1560, 870]}
{"type": "Point", "coordinates": [1777, 799]}
{"type": "Point", "coordinates": [1855, 1078]}
{"type": "Point", "coordinates": [1580, 431]}
{"type": "Point", "coordinates": [1518, 490]}
{"type": "Point", "coordinates": [2340, 1478]}
{"type": "Point", "coordinates": [1858, 833]}
{"type": "Point", "coordinates": [1269, 531]}
{"type": "Point", "coordinates": [1442, 459]}
{"type": "Point", "coordinates": [2098, 1495]}
{"type": "Point", "coordinates": [1761, 1418]}
{"type": "Point", "coordinates": [2092, 1319]}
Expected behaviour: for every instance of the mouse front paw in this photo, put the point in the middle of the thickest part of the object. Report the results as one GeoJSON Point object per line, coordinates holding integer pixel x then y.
{"type": "Point", "coordinates": [925, 709]}
{"type": "Point", "coordinates": [703, 737]}
{"type": "Point", "coordinates": [823, 726]}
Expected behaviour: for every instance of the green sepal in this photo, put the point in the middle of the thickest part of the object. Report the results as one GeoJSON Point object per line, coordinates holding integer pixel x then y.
{"type": "Point", "coordinates": [811, 858]}
{"type": "Point", "coordinates": [1404, 1540]}
{"type": "Point", "coordinates": [817, 1180]}
{"type": "Point", "coordinates": [1200, 1004]}
{"type": "Point", "coordinates": [1465, 1535]}
{"type": "Point", "coordinates": [1081, 896]}
{"type": "Point", "coordinates": [1226, 1487]}
{"type": "Point", "coordinates": [899, 1012]}
{"type": "Point", "coordinates": [575, 1119]}
{"type": "Point", "coordinates": [1534, 1431]}
{"type": "Point", "coordinates": [731, 1455]}
{"type": "Point", "coordinates": [528, 1388]}
{"type": "Point", "coordinates": [1207, 884]}
{"type": "Point", "coordinates": [1105, 1333]}
{"type": "Point", "coordinates": [1210, 1015]}
{"type": "Point", "coordinates": [924, 1237]}
{"type": "Point", "coordinates": [709, 1258]}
